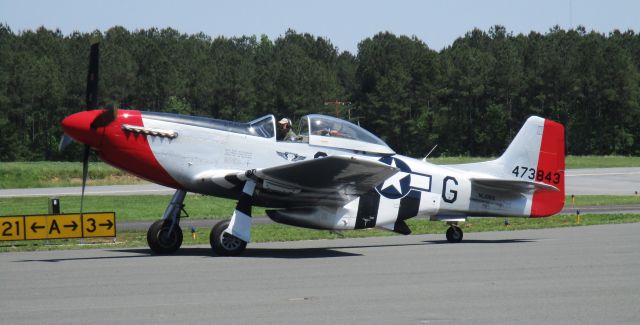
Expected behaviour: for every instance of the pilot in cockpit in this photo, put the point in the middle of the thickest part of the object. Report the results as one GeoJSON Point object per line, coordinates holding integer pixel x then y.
{"type": "Point", "coordinates": [284, 130]}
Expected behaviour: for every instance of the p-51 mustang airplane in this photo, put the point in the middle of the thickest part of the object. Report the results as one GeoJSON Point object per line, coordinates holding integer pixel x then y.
{"type": "Point", "coordinates": [334, 176]}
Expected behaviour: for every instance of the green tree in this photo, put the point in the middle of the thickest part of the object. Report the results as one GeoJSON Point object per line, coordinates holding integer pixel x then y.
{"type": "Point", "coordinates": [469, 98]}
{"type": "Point", "coordinates": [395, 76]}
{"type": "Point", "coordinates": [178, 105]}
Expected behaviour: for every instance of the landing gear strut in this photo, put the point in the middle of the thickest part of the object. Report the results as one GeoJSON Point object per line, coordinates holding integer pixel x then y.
{"type": "Point", "coordinates": [454, 233]}
{"type": "Point", "coordinates": [230, 237]}
{"type": "Point", "coordinates": [165, 235]}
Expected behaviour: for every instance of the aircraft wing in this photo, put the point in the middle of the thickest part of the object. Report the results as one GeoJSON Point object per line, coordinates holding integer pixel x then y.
{"type": "Point", "coordinates": [329, 174]}
{"type": "Point", "coordinates": [514, 184]}
{"type": "Point", "coordinates": [329, 180]}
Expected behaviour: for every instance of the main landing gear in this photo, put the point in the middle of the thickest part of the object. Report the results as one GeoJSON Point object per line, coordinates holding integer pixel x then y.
{"type": "Point", "coordinates": [454, 233]}
{"type": "Point", "coordinates": [165, 235]}
{"type": "Point", "coordinates": [230, 237]}
{"type": "Point", "coordinates": [227, 238]}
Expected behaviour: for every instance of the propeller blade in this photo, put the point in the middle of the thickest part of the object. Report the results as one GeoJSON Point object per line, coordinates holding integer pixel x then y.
{"type": "Point", "coordinates": [65, 141]}
{"type": "Point", "coordinates": [105, 117]}
{"type": "Point", "coordinates": [92, 77]}
{"type": "Point", "coordinates": [85, 173]}
{"type": "Point", "coordinates": [91, 103]}
{"type": "Point", "coordinates": [92, 90]}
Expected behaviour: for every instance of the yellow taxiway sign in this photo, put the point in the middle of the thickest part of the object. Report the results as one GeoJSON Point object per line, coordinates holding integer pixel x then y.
{"type": "Point", "coordinates": [54, 226]}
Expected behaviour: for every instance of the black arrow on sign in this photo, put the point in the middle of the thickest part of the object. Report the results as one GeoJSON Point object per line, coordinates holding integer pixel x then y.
{"type": "Point", "coordinates": [73, 225]}
{"type": "Point", "coordinates": [109, 224]}
{"type": "Point", "coordinates": [35, 228]}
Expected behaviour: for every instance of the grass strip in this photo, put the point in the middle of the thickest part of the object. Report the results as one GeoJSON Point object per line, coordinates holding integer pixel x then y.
{"type": "Point", "coordinates": [60, 174]}
{"type": "Point", "coordinates": [127, 208]}
{"type": "Point", "coordinates": [603, 200]}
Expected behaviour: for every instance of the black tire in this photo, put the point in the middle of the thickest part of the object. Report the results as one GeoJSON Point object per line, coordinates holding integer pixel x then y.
{"type": "Point", "coordinates": [161, 241]}
{"type": "Point", "coordinates": [454, 234]}
{"type": "Point", "coordinates": [224, 244]}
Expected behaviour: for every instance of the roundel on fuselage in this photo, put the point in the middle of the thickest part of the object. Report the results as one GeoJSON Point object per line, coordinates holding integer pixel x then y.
{"type": "Point", "coordinates": [398, 185]}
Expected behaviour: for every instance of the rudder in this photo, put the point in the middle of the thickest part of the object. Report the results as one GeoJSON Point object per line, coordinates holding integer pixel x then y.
{"type": "Point", "coordinates": [550, 170]}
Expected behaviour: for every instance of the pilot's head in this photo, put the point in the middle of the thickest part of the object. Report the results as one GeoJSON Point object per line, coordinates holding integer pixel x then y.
{"type": "Point", "coordinates": [285, 123]}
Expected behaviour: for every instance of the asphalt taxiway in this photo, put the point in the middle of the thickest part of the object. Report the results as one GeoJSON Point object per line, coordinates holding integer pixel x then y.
{"type": "Point", "coordinates": [578, 275]}
{"type": "Point", "coordinates": [603, 181]}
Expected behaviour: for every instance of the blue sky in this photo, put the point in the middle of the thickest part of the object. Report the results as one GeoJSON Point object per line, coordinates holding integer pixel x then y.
{"type": "Point", "coordinates": [345, 23]}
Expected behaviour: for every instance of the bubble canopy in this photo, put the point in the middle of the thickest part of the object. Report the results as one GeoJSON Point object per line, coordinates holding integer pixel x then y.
{"type": "Point", "coordinates": [329, 131]}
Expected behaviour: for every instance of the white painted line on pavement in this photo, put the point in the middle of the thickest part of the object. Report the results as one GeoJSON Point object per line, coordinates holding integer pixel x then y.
{"type": "Point", "coordinates": [85, 193]}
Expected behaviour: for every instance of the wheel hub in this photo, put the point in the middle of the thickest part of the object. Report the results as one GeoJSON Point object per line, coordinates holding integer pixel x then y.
{"type": "Point", "coordinates": [230, 242]}
{"type": "Point", "coordinates": [166, 238]}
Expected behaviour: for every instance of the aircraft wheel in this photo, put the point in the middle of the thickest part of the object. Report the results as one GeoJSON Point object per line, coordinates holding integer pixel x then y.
{"type": "Point", "coordinates": [225, 244]}
{"type": "Point", "coordinates": [160, 240]}
{"type": "Point", "coordinates": [454, 234]}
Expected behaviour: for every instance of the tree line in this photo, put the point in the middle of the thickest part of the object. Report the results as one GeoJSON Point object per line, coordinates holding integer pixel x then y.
{"type": "Point", "coordinates": [469, 98]}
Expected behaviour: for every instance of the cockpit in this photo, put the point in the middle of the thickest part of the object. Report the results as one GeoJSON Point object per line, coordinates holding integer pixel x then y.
{"type": "Point", "coordinates": [329, 131]}
{"type": "Point", "coordinates": [319, 130]}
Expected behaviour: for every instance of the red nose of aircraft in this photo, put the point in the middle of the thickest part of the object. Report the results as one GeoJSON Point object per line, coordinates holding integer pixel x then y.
{"type": "Point", "coordinates": [78, 126]}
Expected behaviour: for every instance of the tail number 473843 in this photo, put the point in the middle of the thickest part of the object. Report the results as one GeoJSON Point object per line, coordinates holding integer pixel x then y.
{"type": "Point", "coordinates": [539, 175]}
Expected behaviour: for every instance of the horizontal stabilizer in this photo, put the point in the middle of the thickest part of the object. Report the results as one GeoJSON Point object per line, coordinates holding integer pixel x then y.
{"type": "Point", "coordinates": [524, 186]}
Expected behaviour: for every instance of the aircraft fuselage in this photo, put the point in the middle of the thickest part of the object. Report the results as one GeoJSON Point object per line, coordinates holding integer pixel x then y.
{"type": "Point", "coordinates": [187, 153]}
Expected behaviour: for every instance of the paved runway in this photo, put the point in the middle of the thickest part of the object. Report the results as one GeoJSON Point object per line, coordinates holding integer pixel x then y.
{"type": "Point", "coordinates": [138, 189]}
{"type": "Point", "coordinates": [602, 181]}
{"type": "Point", "coordinates": [582, 275]}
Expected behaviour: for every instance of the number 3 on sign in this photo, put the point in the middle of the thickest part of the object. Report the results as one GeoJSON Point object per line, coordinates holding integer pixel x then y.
{"type": "Point", "coordinates": [92, 225]}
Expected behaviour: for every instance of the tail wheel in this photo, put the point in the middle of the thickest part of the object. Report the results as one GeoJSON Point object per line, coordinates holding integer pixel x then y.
{"type": "Point", "coordinates": [454, 234]}
{"type": "Point", "coordinates": [225, 244]}
{"type": "Point", "coordinates": [162, 239]}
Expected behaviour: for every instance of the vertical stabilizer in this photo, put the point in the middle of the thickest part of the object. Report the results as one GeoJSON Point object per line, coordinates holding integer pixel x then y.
{"type": "Point", "coordinates": [532, 165]}
{"type": "Point", "coordinates": [537, 154]}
